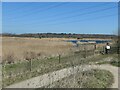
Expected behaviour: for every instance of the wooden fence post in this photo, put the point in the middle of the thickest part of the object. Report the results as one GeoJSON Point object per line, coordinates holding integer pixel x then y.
{"type": "Point", "coordinates": [95, 46]}
{"type": "Point", "coordinates": [118, 50]}
{"type": "Point", "coordinates": [10, 76]}
{"type": "Point", "coordinates": [85, 52]}
{"type": "Point", "coordinates": [94, 49]}
{"type": "Point", "coordinates": [30, 64]}
{"type": "Point", "coordinates": [3, 74]}
{"type": "Point", "coordinates": [59, 58]}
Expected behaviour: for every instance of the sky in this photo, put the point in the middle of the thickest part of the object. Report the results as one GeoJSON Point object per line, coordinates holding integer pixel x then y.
{"type": "Point", "coordinates": [60, 17]}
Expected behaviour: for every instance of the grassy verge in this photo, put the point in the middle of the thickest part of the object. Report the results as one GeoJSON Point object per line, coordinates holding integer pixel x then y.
{"type": "Point", "coordinates": [40, 67]}
{"type": "Point", "coordinates": [88, 79]}
{"type": "Point", "coordinates": [115, 61]}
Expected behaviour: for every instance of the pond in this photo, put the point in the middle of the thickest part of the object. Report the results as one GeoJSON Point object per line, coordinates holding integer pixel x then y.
{"type": "Point", "coordinates": [96, 41]}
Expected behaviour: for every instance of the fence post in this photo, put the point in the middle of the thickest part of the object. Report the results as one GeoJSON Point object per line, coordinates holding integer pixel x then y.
{"type": "Point", "coordinates": [104, 52]}
{"type": "Point", "coordinates": [3, 75]}
{"type": "Point", "coordinates": [94, 49]}
{"type": "Point", "coordinates": [95, 46]}
{"type": "Point", "coordinates": [59, 58]}
{"type": "Point", "coordinates": [118, 50]}
{"type": "Point", "coordinates": [85, 52]}
{"type": "Point", "coordinates": [30, 64]}
{"type": "Point", "coordinates": [10, 76]}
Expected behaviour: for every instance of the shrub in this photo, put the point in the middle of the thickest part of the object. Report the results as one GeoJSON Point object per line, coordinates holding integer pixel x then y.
{"type": "Point", "coordinates": [10, 58]}
{"type": "Point", "coordinates": [39, 54]}
{"type": "Point", "coordinates": [30, 55]}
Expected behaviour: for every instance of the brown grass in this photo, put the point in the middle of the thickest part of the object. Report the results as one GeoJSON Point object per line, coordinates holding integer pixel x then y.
{"type": "Point", "coordinates": [14, 48]}
{"type": "Point", "coordinates": [0, 49]}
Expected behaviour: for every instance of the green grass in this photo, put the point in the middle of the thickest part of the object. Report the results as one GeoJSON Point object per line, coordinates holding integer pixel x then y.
{"type": "Point", "coordinates": [98, 79]}
{"type": "Point", "coordinates": [115, 61]}
{"type": "Point", "coordinates": [94, 78]}
{"type": "Point", "coordinates": [40, 67]}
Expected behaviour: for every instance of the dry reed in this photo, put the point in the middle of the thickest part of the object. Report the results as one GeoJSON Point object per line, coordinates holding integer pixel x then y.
{"type": "Point", "coordinates": [14, 48]}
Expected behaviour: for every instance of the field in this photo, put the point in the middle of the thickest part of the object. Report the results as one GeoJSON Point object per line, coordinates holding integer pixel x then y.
{"type": "Point", "coordinates": [0, 49]}
{"type": "Point", "coordinates": [19, 49]}
{"type": "Point", "coordinates": [25, 58]}
{"type": "Point", "coordinates": [27, 48]}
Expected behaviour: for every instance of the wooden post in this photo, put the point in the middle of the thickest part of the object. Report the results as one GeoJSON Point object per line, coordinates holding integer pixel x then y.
{"type": "Point", "coordinates": [59, 57]}
{"type": "Point", "coordinates": [104, 52]}
{"type": "Point", "coordinates": [94, 49]}
{"type": "Point", "coordinates": [30, 64]}
{"type": "Point", "coordinates": [3, 67]}
{"type": "Point", "coordinates": [85, 51]}
{"type": "Point", "coordinates": [10, 76]}
{"type": "Point", "coordinates": [118, 50]}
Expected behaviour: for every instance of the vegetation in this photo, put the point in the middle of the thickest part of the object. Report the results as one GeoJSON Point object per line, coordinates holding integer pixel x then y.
{"type": "Point", "coordinates": [115, 61]}
{"type": "Point", "coordinates": [94, 78]}
{"type": "Point", "coordinates": [20, 49]}
{"type": "Point", "coordinates": [29, 57]}
{"type": "Point", "coordinates": [21, 71]}
{"type": "Point", "coordinates": [60, 35]}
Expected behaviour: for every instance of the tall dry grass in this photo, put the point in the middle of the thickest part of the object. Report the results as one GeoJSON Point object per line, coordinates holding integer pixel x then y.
{"type": "Point", "coordinates": [14, 48]}
{"type": "Point", "coordinates": [0, 49]}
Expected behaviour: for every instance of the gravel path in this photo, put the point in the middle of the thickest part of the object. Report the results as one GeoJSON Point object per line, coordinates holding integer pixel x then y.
{"type": "Point", "coordinates": [112, 69]}
{"type": "Point", "coordinates": [49, 78]}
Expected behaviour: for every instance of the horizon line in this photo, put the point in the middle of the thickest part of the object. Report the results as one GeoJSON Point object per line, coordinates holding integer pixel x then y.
{"type": "Point", "coordinates": [59, 33]}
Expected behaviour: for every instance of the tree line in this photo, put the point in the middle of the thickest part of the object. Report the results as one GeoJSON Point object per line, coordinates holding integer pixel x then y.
{"type": "Point", "coordinates": [59, 35]}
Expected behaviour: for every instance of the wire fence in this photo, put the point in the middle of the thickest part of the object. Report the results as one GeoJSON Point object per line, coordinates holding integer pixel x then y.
{"type": "Point", "coordinates": [17, 72]}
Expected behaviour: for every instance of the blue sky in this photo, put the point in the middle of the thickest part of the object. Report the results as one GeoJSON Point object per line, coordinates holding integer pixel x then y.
{"type": "Point", "coordinates": [60, 17]}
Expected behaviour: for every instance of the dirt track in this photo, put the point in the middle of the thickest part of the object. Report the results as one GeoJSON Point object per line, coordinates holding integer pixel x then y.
{"type": "Point", "coordinates": [113, 70]}
{"type": "Point", "coordinates": [49, 78]}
